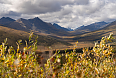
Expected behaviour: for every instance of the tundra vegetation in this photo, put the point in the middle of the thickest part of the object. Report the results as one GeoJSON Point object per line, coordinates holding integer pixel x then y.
{"type": "Point", "coordinates": [96, 63]}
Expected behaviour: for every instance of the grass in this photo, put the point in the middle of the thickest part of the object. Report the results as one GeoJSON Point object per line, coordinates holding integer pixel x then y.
{"type": "Point", "coordinates": [96, 63]}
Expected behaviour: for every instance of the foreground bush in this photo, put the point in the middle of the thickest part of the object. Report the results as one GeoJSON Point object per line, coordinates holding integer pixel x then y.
{"type": "Point", "coordinates": [14, 64]}
{"type": "Point", "coordinates": [98, 62]}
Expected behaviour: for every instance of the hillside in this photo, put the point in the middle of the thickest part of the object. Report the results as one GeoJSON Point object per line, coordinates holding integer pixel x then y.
{"type": "Point", "coordinates": [14, 35]}
{"type": "Point", "coordinates": [96, 35]}
{"type": "Point", "coordinates": [93, 35]}
{"type": "Point", "coordinates": [89, 28]}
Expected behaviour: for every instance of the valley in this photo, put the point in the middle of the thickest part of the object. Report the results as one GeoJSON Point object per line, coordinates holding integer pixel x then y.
{"type": "Point", "coordinates": [56, 37]}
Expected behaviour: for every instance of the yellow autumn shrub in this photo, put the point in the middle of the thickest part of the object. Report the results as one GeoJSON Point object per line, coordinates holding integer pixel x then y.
{"type": "Point", "coordinates": [96, 63]}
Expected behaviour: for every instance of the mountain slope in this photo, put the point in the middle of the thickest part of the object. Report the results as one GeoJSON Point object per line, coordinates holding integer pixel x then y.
{"type": "Point", "coordinates": [96, 35]}
{"type": "Point", "coordinates": [24, 23]}
{"type": "Point", "coordinates": [80, 27]}
{"type": "Point", "coordinates": [46, 27]}
{"type": "Point", "coordinates": [59, 27]}
{"type": "Point", "coordinates": [32, 24]}
{"type": "Point", "coordinates": [89, 28]}
{"type": "Point", "coordinates": [11, 23]}
{"type": "Point", "coordinates": [14, 35]}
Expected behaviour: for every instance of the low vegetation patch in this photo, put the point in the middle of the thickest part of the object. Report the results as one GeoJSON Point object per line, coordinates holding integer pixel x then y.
{"type": "Point", "coordinates": [96, 63]}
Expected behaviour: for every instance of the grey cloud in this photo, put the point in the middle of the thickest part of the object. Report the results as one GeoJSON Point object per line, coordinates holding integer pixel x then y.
{"type": "Point", "coordinates": [29, 8]}
{"type": "Point", "coordinates": [12, 13]}
{"type": "Point", "coordinates": [81, 2]}
{"type": "Point", "coordinates": [67, 13]}
{"type": "Point", "coordinates": [5, 2]}
{"type": "Point", "coordinates": [84, 10]}
{"type": "Point", "coordinates": [41, 6]}
{"type": "Point", "coordinates": [3, 9]}
{"type": "Point", "coordinates": [78, 14]}
{"type": "Point", "coordinates": [66, 10]}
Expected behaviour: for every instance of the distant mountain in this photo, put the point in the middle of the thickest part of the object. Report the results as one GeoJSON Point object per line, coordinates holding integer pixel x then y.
{"type": "Point", "coordinates": [80, 27]}
{"type": "Point", "coordinates": [46, 27]}
{"type": "Point", "coordinates": [15, 24]}
{"type": "Point", "coordinates": [24, 23]}
{"type": "Point", "coordinates": [59, 27]}
{"type": "Point", "coordinates": [6, 20]}
{"type": "Point", "coordinates": [98, 34]}
{"type": "Point", "coordinates": [111, 26]}
{"type": "Point", "coordinates": [89, 28]}
{"type": "Point", "coordinates": [70, 29]}
{"type": "Point", "coordinates": [32, 24]}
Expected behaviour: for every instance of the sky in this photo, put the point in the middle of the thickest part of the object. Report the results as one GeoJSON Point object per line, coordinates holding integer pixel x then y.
{"type": "Point", "coordinates": [66, 13]}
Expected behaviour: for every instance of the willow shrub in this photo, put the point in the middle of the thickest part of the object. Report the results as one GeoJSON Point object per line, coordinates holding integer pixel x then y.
{"type": "Point", "coordinates": [98, 62]}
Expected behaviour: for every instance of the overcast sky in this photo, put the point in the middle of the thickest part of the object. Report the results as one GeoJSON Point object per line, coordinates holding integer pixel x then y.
{"type": "Point", "coordinates": [67, 13]}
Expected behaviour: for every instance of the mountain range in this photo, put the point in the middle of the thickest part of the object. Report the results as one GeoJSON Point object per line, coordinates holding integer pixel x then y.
{"type": "Point", "coordinates": [35, 24]}
{"type": "Point", "coordinates": [52, 33]}
{"type": "Point", "coordinates": [15, 30]}
{"type": "Point", "coordinates": [89, 28]}
{"type": "Point", "coordinates": [98, 34]}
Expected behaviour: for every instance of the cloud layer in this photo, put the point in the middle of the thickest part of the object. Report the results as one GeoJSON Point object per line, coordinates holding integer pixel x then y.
{"type": "Point", "coordinates": [67, 13]}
